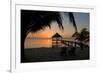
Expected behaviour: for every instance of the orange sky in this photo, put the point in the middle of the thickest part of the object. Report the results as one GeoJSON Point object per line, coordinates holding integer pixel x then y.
{"type": "Point", "coordinates": [48, 33]}
{"type": "Point", "coordinates": [82, 21]}
{"type": "Point", "coordinates": [40, 35]}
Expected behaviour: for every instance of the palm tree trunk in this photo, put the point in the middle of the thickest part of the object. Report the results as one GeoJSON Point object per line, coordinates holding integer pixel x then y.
{"type": "Point", "coordinates": [81, 45]}
{"type": "Point", "coordinates": [23, 36]}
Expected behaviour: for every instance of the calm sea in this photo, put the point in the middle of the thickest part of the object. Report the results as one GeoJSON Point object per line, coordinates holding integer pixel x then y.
{"type": "Point", "coordinates": [37, 43]}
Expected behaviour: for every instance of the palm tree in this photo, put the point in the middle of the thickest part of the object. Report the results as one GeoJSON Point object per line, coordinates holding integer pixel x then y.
{"type": "Point", "coordinates": [33, 21]}
{"type": "Point", "coordinates": [82, 36]}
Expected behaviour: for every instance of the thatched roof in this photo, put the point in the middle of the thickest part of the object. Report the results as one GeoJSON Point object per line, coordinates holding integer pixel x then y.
{"type": "Point", "coordinates": [56, 35]}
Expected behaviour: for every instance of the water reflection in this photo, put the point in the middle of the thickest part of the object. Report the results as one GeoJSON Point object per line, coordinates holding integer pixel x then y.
{"type": "Point", "coordinates": [37, 43]}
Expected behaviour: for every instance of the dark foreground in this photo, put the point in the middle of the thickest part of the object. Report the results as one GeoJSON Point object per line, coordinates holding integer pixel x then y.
{"type": "Point", "coordinates": [55, 54]}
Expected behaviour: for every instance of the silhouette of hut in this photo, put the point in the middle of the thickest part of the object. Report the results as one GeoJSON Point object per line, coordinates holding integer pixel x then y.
{"type": "Point", "coordinates": [56, 40]}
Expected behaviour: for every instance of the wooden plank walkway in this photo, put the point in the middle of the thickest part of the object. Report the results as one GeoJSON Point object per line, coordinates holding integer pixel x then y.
{"type": "Point", "coordinates": [73, 43]}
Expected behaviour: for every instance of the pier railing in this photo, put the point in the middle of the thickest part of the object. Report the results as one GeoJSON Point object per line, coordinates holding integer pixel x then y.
{"type": "Point", "coordinates": [73, 43]}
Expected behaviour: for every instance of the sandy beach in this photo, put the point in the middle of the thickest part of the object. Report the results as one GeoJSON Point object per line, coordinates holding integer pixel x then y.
{"type": "Point", "coordinates": [54, 54]}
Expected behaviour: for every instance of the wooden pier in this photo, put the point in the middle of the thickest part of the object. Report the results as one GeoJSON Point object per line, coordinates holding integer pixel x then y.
{"type": "Point", "coordinates": [73, 43]}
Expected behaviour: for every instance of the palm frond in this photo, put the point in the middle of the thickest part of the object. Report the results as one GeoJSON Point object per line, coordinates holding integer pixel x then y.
{"type": "Point", "coordinates": [72, 20]}
{"type": "Point", "coordinates": [59, 21]}
{"type": "Point", "coordinates": [34, 21]}
{"type": "Point", "coordinates": [83, 35]}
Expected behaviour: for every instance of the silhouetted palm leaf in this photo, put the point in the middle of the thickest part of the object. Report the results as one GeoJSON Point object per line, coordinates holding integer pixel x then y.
{"type": "Point", "coordinates": [37, 20]}
{"type": "Point", "coordinates": [72, 19]}
{"type": "Point", "coordinates": [82, 36]}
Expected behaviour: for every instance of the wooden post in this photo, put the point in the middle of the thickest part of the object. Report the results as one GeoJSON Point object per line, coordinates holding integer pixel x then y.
{"type": "Point", "coordinates": [75, 44]}
{"type": "Point", "coordinates": [68, 43]}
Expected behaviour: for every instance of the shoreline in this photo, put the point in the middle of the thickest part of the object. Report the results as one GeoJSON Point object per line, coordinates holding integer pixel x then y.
{"type": "Point", "coordinates": [54, 54]}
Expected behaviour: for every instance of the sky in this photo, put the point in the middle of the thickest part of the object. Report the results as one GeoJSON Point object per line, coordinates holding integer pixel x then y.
{"type": "Point", "coordinates": [81, 19]}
